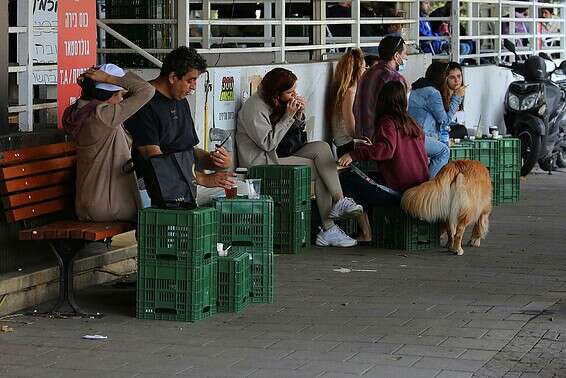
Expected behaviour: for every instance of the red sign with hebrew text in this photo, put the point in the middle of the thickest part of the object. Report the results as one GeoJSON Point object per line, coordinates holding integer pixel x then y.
{"type": "Point", "coordinates": [76, 51]}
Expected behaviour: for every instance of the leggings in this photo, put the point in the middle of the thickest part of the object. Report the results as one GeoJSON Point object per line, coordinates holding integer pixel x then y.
{"type": "Point", "coordinates": [318, 156]}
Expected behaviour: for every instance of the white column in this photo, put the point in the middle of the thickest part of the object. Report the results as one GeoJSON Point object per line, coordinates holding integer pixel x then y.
{"type": "Point", "coordinates": [25, 79]}
{"type": "Point", "coordinates": [183, 28]}
{"type": "Point", "coordinates": [280, 31]}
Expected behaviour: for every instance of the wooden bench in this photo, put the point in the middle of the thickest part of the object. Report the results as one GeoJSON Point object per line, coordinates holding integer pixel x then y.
{"type": "Point", "coordinates": [38, 183]}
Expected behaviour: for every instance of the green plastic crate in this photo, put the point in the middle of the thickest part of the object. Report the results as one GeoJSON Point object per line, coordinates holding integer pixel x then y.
{"type": "Point", "coordinates": [246, 223]}
{"type": "Point", "coordinates": [510, 154]}
{"type": "Point", "coordinates": [395, 229]}
{"type": "Point", "coordinates": [487, 152]}
{"type": "Point", "coordinates": [288, 185]}
{"type": "Point", "coordinates": [178, 235]}
{"type": "Point", "coordinates": [262, 284]}
{"type": "Point", "coordinates": [509, 186]}
{"type": "Point", "coordinates": [292, 231]}
{"type": "Point", "coordinates": [461, 152]}
{"type": "Point", "coordinates": [234, 280]}
{"type": "Point", "coordinates": [176, 291]}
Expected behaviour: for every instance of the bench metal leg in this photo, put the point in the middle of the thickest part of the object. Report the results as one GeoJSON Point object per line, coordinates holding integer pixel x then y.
{"type": "Point", "coordinates": [66, 251]}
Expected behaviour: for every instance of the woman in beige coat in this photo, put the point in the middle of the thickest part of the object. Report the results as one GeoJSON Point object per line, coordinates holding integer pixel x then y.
{"type": "Point", "coordinates": [263, 121]}
{"type": "Point", "coordinates": [104, 192]}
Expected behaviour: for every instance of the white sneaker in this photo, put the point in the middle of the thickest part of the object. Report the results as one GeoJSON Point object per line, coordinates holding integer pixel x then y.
{"type": "Point", "coordinates": [345, 208]}
{"type": "Point", "coordinates": [334, 237]}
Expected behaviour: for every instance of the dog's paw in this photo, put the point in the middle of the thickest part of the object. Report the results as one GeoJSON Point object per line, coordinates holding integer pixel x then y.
{"type": "Point", "coordinates": [474, 242]}
{"type": "Point", "coordinates": [457, 251]}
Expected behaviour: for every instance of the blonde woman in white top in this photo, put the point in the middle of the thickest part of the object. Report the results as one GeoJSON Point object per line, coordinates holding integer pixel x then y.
{"type": "Point", "coordinates": [349, 70]}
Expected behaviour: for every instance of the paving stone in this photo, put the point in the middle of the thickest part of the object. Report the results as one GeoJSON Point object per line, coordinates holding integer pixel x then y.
{"type": "Point", "coordinates": [455, 332]}
{"type": "Point", "coordinates": [479, 355]}
{"type": "Point", "coordinates": [367, 347]}
{"type": "Point", "coordinates": [495, 324]}
{"type": "Point", "coordinates": [449, 364]}
{"type": "Point", "coordinates": [400, 372]}
{"type": "Point", "coordinates": [453, 374]}
{"type": "Point", "coordinates": [431, 351]}
{"type": "Point", "coordinates": [357, 367]}
{"type": "Point", "coordinates": [384, 359]}
{"type": "Point", "coordinates": [320, 346]}
{"type": "Point", "coordinates": [471, 343]}
{"type": "Point", "coordinates": [413, 340]}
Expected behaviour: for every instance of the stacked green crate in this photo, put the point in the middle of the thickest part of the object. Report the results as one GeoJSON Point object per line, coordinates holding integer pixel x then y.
{"type": "Point", "coordinates": [487, 152]}
{"type": "Point", "coordinates": [247, 225]}
{"type": "Point", "coordinates": [177, 273]}
{"type": "Point", "coordinates": [234, 279]}
{"type": "Point", "coordinates": [461, 152]}
{"type": "Point", "coordinates": [508, 187]}
{"type": "Point", "coordinates": [289, 186]}
{"type": "Point", "coordinates": [395, 229]}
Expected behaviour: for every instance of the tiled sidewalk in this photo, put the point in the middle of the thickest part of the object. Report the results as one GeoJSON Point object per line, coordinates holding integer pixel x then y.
{"type": "Point", "coordinates": [495, 311]}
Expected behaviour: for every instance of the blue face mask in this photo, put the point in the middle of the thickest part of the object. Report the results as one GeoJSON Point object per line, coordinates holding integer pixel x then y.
{"type": "Point", "coordinates": [403, 65]}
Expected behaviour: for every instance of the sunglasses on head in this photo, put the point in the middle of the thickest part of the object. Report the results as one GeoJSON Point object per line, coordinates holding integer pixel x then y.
{"type": "Point", "coordinates": [399, 43]}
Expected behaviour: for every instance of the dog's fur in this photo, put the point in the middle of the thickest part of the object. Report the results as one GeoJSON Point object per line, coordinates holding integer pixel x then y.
{"type": "Point", "coordinates": [459, 195]}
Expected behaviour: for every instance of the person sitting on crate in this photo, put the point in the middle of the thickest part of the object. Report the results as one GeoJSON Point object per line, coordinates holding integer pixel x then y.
{"type": "Point", "coordinates": [103, 192]}
{"type": "Point", "coordinates": [271, 131]}
{"type": "Point", "coordinates": [426, 106]}
{"type": "Point", "coordinates": [165, 124]}
{"type": "Point", "coordinates": [398, 148]}
{"type": "Point", "coordinates": [349, 70]}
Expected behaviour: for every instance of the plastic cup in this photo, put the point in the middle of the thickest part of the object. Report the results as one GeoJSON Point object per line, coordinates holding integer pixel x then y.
{"type": "Point", "coordinates": [254, 188]}
{"type": "Point", "coordinates": [231, 192]}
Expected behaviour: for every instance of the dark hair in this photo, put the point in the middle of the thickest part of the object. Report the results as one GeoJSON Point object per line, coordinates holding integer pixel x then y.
{"type": "Point", "coordinates": [389, 46]}
{"type": "Point", "coordinates": [392, 102]}
{"type": "Point", "coordinates": [90, 92]}
{"type": "Point", "coordinates": [181, 60]}
{"type": "Point", "coordinates": [370, 59]}
{"type": "Point", "coordinates": [275, 82]}
{"type": "Point", "coordinates": [436, 73]}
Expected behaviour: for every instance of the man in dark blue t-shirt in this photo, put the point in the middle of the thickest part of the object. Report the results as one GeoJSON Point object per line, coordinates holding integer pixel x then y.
{"type": "Point", "coordinates": [165, 123]}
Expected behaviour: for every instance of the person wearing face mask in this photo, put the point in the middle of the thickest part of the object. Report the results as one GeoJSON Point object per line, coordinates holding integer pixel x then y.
{"type": "Point", "coordinates": [264, 120]}
{"type": "Point", "coordinates": [165, 124]}
{"type": "Point", "coordinates": [103, 192]}
{"type": "Point", "coordinates": [393, 58]}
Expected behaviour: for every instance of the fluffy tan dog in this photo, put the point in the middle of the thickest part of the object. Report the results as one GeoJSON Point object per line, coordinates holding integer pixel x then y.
{"type": "Point", "coordinates": [459, 195]}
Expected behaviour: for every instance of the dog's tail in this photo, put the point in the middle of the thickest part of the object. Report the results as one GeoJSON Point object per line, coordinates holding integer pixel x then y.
{"type": "Point", "coordinates": [432, 200]}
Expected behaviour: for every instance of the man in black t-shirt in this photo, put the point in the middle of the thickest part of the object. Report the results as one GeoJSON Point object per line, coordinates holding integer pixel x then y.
{"type": "Point", "coordinates": [165, 123]}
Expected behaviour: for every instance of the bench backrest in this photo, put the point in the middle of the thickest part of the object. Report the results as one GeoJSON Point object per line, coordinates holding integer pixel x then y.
{"type": "Point", "coordinates": [37, 181]}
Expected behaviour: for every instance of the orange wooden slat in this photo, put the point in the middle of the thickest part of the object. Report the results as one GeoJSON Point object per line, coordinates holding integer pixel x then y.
{"type": "Point", "coordinates": [108, 231]}
{"type": "Point", "coordinates": [91, 231]}
{"type": "Point", "coordinates": [27, 183]}
{"type": "Point", "coordinates": [34, 196]}
{"type": "Point", "coordinates": [38, 167]}
{"type": "Point", "coordinates": [37, 209]}
{"type": "Point", "coordinates": [36, 153]}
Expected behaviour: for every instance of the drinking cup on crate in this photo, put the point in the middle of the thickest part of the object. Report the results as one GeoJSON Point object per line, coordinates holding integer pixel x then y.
{"type": "Point", "coordinates": [231, 192]}
{"type": "Point", "coordinates": [254, 187]}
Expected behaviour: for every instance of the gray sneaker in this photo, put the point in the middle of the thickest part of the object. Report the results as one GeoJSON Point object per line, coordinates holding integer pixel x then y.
{"type": "Point", "coordinates": [334, 237]}
{"type": "Point", "coordinates": [345, 208]}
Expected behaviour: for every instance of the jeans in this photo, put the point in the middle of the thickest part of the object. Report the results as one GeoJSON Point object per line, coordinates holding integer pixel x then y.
{"type": "Point", "coordinates": [438, 155]}
{"type": "Point", "coordinates": [365, 193]}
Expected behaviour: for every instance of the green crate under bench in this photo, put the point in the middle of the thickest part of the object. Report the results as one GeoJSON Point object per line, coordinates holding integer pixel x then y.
{"type": "Point", "coordinates": [287, 185]}
{"type": "Point", "coordinates": [178, 235]}
{"type": "Point", "coordinates": [234, 280]}
{"type": "Point", "coordinates": [291, 229]}
{"type": "Point", "coordinates": [247, 225]}
{"type": "Point", "coordinates": [394, 229]}
{"type": "Point", "coordinates": [169, 290]}
{"type": "Point", "coordinates": [461, 152]}
{"type": "Point", "coordinates": [509, 186]}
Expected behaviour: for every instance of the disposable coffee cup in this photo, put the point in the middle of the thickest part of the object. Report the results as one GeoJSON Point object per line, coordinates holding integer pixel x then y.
{"type": "Point", "coordinates": [254, 188]}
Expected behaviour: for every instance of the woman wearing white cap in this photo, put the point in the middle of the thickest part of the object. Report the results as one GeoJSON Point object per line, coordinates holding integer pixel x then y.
{"type": "Point", "coordinates": [103, 191]}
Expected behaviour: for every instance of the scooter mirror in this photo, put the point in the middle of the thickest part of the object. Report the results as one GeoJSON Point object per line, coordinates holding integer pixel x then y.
{"type": "Point", "coordinates": [562, 67]}
{"type": "Point", "coordinates": [509, 45]}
